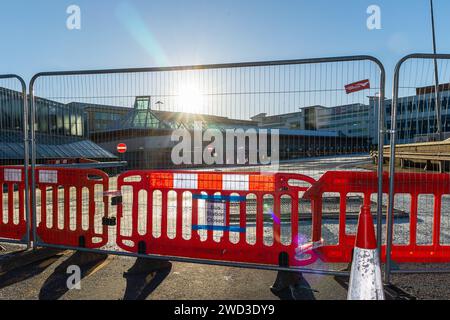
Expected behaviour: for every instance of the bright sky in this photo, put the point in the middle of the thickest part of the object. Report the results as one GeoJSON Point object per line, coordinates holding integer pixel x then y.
{"type": "Point", "coordinates": [141, 33]}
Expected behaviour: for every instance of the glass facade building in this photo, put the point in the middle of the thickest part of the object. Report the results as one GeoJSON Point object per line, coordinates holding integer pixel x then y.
{"type": "Point", "coordinates": [59, 119]}
{"type": "Point", "coordinates": [60, 131]}
{"type": "Point", "coordinates": [416, 116]}
{"type": "Point", "coordinates": [353, 120]}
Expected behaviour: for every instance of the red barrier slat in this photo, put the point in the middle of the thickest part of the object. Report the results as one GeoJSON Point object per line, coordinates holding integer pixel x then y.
{"type": "Point", "coordinates": [164, 212]}
{"type": "Point", "coordinates": [195, 234]}
{"type": "Point", "coordinates": [21, 188]}
{"type": "Point", "coordinates": [179, 218]}
{"type": "Point", "coordinates": [44, 206]}
{"type": "Point", "coordinates": [342, 216]}
{"type": "Point", "coordinates": [277, 220]}
{"type": "Point", "coordinates": [10, 203]}
{"type": "Point", "coordinates": [413, 218]}
{"type": "Point", "coordinates": [259, 221]}
{"type": "Point", "coordinates": [226, 233]}
{"type": "Point", "coordinates": [243, 222]}
{"type": "Point", "coordinates": [149, 212]}
{"type": "Point", "coordinates": [91, 201]}
{"type": "Point", "coordinates": [67, 209]}
{"type": "Point", "coordinates": [79, 209]}
{"type": "Point", "coordinates": [437, 221]}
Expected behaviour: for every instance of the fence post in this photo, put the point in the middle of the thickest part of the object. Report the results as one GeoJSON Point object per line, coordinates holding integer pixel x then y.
{"type": "Point", "coordinates": [33, 161]}
{"type": "Point", "coordinates": [381, 135]}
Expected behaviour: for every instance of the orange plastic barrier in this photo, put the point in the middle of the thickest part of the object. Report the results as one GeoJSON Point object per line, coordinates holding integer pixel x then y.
{"type": "Point", "coordinates": [205, 215]}
{"type": "Point", "coordinates": [342, 183]}
{"type": "Point", "coordinates": [213, 194]}
{"type": "Point", "coordinates": [71, 206]}
{"type": "Point", "coordinates": [13, 225]}
{"type": "Point", "coordinates": [416, 184]}
{"type": "Point", "coordinates": [413, 184]}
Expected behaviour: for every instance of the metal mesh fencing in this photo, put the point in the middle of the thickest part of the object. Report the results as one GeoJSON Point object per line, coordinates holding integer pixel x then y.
{"type": "Point", "coordinates": [419, 118]}
{"type": "Point", "coordinates": [304, 116]}
{"type": "Point", "coordinates": [14, 221]}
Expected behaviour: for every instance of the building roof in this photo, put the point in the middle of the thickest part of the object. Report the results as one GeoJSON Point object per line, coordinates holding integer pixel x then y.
{"type": "Point", "coordinates": [50, 147]}
{"type": "Point", "coordinates": [309, 133]}
{"type": "Point", "coordinates": [184, 117]}
{"type": "Point", "coordinates": [84, 106]}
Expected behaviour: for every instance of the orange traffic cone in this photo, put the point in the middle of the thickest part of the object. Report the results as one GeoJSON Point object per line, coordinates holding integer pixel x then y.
{"type": "Point", "coordinates": [365, 277]}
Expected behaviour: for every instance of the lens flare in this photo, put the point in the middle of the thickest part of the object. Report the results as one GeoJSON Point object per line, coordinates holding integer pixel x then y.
{"type": "Point", "coordinates": [132, 20]}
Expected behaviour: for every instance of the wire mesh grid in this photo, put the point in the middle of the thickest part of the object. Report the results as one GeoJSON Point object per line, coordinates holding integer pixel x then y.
{"type": "Point", "coordinates": [13, 157]}
{"type": "Point", "coordinates": [320, 125]}
{"type": "Point", "coordinates": [422, 124]}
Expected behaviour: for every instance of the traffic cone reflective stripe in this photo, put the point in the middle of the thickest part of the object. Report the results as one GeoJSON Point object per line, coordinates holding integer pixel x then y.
{"type": "Point", "coordinates": [365, 277]}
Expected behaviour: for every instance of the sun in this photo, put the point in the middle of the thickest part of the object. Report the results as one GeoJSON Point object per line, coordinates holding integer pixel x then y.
{"type": "Point", "coordinates": [190, 99]}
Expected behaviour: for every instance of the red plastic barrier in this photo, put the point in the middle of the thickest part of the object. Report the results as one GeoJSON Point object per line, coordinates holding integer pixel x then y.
{"type": "Point", "coordinates": [343, 183]}
{"type": "Point", "coordinates": [415, 184]}
{"type": "Point", "coordinates": [79, 221]}
{"type": "Point", "coordinates": [12, 205]}
{"type": "Point", "coordinates": [204, 185]}
{"type": "Point", "coordinates": [75, 215]}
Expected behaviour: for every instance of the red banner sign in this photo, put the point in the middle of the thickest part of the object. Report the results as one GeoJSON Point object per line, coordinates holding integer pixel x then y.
{"type": "Point", "coordinates": [357, 86]}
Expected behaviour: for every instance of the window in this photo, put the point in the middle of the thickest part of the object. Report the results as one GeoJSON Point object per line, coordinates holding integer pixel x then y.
{"type": "Point", "coordinates": [142, 103]}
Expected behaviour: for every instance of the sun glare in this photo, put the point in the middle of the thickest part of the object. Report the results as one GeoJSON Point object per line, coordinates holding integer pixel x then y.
{"type": "Point", "coordinates": [190, 99]}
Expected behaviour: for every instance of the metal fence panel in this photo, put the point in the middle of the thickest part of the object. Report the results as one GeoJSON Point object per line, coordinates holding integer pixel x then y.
{"type": "Point", "coordinates": [14, 158]}
{"type": "Point", "coordinates": [419, 119]}
{"type": "Point", "coordinates": [323, 114]}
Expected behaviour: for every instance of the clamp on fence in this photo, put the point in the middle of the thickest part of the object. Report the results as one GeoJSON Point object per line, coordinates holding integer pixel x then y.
{"type": "Point", "coordinates": [115, 195]}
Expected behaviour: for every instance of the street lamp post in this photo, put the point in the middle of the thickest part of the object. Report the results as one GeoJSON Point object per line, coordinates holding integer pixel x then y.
{"type": "Point", "coordinates": [436, 78]}
{"type": "Point", "coordinates": [159, 104]}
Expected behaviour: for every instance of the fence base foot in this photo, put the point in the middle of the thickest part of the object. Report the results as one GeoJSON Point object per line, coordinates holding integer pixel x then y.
{"type": "Point", "coordinates": [23, 258]}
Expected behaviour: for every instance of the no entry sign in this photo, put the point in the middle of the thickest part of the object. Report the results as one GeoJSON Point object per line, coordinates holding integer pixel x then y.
{"type": "Point", "coordinates": [122, 148]}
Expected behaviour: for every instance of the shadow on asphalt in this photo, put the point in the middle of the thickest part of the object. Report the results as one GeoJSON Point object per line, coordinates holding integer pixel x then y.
{"type": "Point", "coordinates": [292, 286]}
{"type": "Point", "coordinates": [56, 285]}
{"type": "Point", "coordinates": [144, 277]}
{"type": "Point", "coordinates": [26, 272]}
